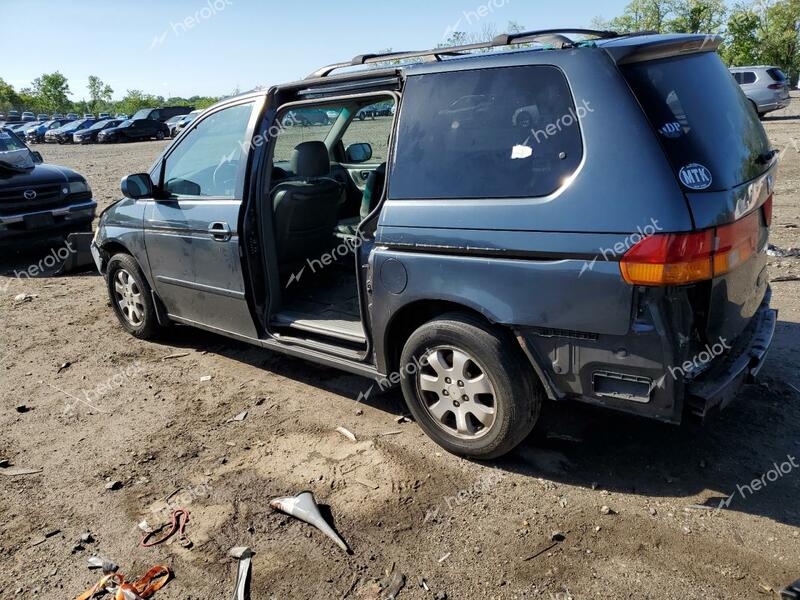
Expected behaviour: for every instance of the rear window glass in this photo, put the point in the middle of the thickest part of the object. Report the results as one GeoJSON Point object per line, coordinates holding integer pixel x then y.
{"type": "Point", "coordinates": [492, 133]}
{"type": "Point", "coordinates": [777, 75]}
{"type": "Point", "coordinates": [711, 134]}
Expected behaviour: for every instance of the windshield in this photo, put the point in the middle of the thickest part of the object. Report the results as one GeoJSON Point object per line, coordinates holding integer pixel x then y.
{"type": "Point", "coordinates": [10, 143]}
{"type": "Point", "coordinates": [126, 123]}
{"type": "Point", "coordinates": [99, 125]}
{"type": "Point", "coordinates": [142, 114]}
{"type": "Point", "coordinates": [73, 125]}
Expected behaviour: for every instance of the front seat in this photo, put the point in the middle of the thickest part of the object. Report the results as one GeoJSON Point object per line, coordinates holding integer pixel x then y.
{"type": "Point", "coordinates": [373, 189]}
{"type": "Point", "coordinates": [306, 206]}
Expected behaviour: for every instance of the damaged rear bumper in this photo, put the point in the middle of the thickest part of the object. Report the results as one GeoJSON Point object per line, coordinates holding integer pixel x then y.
{"type": "Point", "coordinates": [718, 386]}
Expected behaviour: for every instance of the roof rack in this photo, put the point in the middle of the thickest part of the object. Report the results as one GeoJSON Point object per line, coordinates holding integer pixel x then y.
{"type": "Point", "coordinates": [554, 37]}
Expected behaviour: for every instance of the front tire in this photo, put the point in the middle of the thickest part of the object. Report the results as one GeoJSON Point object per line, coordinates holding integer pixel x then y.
{"type": "Point", "coordinates": [131, 297]}
{"type": "Point", "coordinates": [159, 135]}
{"type": "Point", "coordinates": [469, 387]}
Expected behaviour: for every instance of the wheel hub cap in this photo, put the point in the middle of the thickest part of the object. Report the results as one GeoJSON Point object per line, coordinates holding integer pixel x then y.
{"type": "Point", "coordinates": [456, 392]}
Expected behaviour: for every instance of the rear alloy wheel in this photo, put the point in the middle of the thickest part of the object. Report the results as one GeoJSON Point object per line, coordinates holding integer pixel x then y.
{"type": "Point", "coordinates": [159, 135]}
{"type": "Point", "coordinates": [469, 387]}
{"type": "Point", "coordinates": [130, 297]}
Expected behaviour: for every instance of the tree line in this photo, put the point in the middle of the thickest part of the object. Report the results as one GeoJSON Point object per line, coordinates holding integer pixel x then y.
{"type": "Point", "coordinates": [753, 32]}
{"type": "Point", "coordinates": [50, 93]}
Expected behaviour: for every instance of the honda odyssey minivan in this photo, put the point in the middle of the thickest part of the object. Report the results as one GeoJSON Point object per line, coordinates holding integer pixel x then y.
{"type": "Point", "coordinates": [548, 219]}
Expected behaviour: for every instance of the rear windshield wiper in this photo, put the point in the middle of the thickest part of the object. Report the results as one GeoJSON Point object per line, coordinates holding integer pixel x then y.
{"type": "Point", "coordinates": [765, 157]}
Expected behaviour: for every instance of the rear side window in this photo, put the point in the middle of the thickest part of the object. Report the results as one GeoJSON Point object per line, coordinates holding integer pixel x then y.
{"type": "Point", "coordinates": [777, 75]}
{"type": "Point", "coordinates": [509, 132]}
{"type": "Point", "coordinates": [748, 77]}
{"type": "Point", "coordinates": [711, 134]}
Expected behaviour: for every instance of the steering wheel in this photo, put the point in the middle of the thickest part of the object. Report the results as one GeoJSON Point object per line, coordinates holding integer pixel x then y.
{"type": "Point", "coordinates": [224, 175]}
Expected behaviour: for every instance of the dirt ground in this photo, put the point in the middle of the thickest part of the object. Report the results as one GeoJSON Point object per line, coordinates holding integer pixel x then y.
{"type": "Point", "coordinates": [106, 410]}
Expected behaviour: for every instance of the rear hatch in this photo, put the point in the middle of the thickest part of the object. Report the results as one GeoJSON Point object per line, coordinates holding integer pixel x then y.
{"type": "Point", "coordinates": [723, 159]}
{"type": "Point", "coordinates": [781, 82]}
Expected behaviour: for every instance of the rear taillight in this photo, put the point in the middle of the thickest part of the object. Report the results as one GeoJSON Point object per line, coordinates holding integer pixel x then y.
{"type": "Point", "coordinates": [683, 258]}
{"type": "Point", "coordinates": [776, 86]}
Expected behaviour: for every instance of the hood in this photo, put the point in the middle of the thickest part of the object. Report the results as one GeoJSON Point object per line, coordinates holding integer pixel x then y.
{"type": "Point", "coordinates": [39, 175]}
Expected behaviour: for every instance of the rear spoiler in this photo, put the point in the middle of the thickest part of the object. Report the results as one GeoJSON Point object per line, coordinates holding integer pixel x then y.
{"type": "Point", "coordinates": [639, 49]}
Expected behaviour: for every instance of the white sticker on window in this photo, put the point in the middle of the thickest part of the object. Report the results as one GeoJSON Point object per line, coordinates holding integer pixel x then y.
{"type": "Point", "coordinates": [671, 130]}
{"type": "Point", "coordinates": [520, 151]}
{"type": "Point", "coordinates": [695, 177]}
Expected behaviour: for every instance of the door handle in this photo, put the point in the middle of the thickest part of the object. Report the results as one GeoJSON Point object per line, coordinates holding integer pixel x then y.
{"type": "Point", "coordinates": [220, 231]}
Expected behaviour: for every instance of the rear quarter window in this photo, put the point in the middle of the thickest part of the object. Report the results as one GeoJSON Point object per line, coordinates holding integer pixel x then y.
{"type": "Point", "coordinates": [509, 132]}
{"type": "Point", "coordinates": [777, 75]}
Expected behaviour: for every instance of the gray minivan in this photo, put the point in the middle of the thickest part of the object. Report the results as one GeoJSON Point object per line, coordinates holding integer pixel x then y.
{"type": "Point", "coordinates": [547, 219]}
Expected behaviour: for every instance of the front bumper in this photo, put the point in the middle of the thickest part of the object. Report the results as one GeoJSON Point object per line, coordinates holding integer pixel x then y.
{"type": "Point", "coordinates": [715, 389]}
{"type": "Point", "coordinates": [64, 219]}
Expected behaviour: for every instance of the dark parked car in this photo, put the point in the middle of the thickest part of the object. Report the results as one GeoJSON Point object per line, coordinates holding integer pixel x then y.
{"type": "Point", "coordinates": [484, 262]}
{"type": "Point", "coordinates": [35, 135]}
{"type": "Point", "coordinates": [134, 130]}
{"type": "Point", "coordinates": [162, 114]}
{"type": "Point", "coordinates": [39, 200]}
{"type": "Point", "coordinates": [63, 135]}
{"type": "Point", "coordinates": [42, 117]}
{"type": "Point", "coordinates": [87, 136]}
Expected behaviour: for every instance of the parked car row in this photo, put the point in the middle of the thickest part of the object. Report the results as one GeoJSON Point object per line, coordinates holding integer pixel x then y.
{"type": "Point", "coordinates": [146, 124]}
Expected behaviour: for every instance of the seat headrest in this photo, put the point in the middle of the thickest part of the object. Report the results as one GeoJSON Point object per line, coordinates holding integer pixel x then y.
{"type": "Point", "coordinates": [311, 159]}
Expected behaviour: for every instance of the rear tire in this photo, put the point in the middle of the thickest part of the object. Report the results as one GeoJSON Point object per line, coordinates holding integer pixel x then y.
{"type": "Point", "coordinates": [469, 387]}
{"type": "Point", "coordinates": [131, 297]}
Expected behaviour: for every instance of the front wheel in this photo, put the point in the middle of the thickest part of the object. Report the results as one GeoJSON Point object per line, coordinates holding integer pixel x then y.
{"type": "Point", "coordinates": [130, 297]}
{"type": "Point", "coordinates": [159, 135]}
{"type": "Point", "coordinates": [469, 387]}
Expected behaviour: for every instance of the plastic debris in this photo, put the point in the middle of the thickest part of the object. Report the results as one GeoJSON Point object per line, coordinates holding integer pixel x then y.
{"type": "Point", "coordinates": [791, 592]}
{"type": "Point", "coordinates": [14, 471]}
{"type": "Point", "coordinates": [177, 524]}
{"type": "Point", "coordinates": [238, 418]}
{"type": "Point", "coordinates": [205, 378]}
{"type": "Point", "coordinates": [304, 507]}
{"type": "Point", "coordinates": [347, 433]}
{"type": "Point", "coordinates": [115, 583]}
{"type": "Point", "coordinates": [244, 555]}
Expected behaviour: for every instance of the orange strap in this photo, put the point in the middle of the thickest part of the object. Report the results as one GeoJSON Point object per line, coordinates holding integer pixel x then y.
{"type": "Point", "coordinates": [155, 579]}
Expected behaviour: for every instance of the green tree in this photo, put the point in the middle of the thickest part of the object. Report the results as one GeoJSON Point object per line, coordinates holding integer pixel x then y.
{"type": "Point", "coordinates": [643, 15]}
{"type": "Point", "coordinates": [9, 99]}
{"type": "Point", "coordinates": [742, 45]}
{"type": "Point", "coordinates": [51, 92]}
{"type": "Point", "coordinates": [99, 93]}
{"type": "Point", "coordinates": [697, 16]}
{"type": "Point", "coordinates": [779, 36]}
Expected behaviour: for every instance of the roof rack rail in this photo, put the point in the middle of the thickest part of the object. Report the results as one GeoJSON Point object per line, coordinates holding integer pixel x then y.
{"type": "Point", "coordinates": [555, 37]}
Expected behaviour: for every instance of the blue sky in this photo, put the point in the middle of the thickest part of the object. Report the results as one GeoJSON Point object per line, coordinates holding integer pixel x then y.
{"type": "Point", "coordinates": [211, 47]}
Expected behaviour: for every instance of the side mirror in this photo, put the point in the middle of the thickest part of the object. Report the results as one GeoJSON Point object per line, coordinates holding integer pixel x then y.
{"type": "Point", "coordinates": [37, 157]}
{"type": "Point", "coordinates": [136, 186]}
{"type": "Point", "coordinates": [358, 153]}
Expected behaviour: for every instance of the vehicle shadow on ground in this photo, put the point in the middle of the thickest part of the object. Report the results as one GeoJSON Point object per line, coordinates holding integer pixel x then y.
{"type": "Point", "coordinates": [40, 259]}
{"type": "Point", "coordinates": [581, 445]}
{"type": "Point", "coordinates": [706, 464]}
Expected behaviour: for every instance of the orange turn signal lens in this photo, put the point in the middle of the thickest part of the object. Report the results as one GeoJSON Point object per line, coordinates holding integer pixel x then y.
{"type": "Point", "coordinates": [683, 258]}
